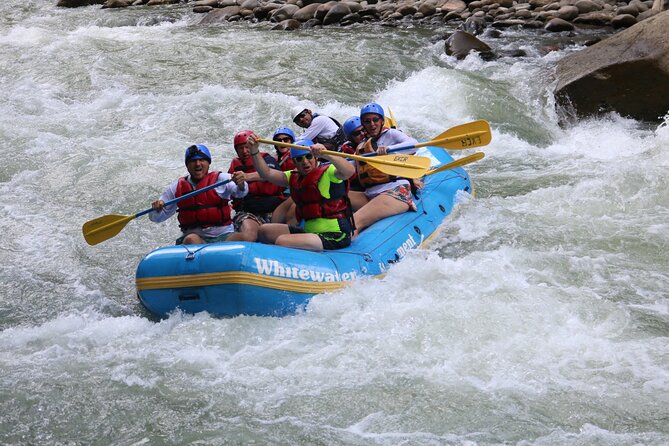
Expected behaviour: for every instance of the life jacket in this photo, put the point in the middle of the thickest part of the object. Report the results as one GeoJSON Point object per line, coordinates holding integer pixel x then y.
{"type": "Point", "coordinates": [263, 196]}
{"type": "Point", "coordinates": [347, 147]}
{"type": "Point", "coordinates": [203, 210]}
{"type": "Point", "coordinates": [367, 175]}
{"type": "Point", "coordinates": [310, 204]}
{"type": "Point", "coordinates": [335, 141]}
{"type": "Point", "coordinates": [285, 161]}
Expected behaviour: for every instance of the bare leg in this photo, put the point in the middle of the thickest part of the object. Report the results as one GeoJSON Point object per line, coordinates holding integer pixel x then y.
{"type": "Point", "coordinates": [303, 241]}
{"type": "Point", "coordinates": [379, 207]}
{"type": "Point", "coordinates": [192, 239]}
{"type": "Point", "coordinates": [269, 232]}
{"type": "Point", "coordinates": [358, 199]}
{"type": "Point", "coordinates": [280, 214]}
{"type": "Point", "coordinates": [248, 232]}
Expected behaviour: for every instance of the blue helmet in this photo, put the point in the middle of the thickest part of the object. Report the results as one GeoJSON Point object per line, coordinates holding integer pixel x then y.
{"type": "Point", "coordinates": [298, 152]}
{"type": "Point", "coordinates": [372, 107]}
{"type": "Point", "coordinates": [351, 124]}
{"type": "Point", "coordinates": [284, 131]}
{"type": "Point", "coordinates": [197, 152]}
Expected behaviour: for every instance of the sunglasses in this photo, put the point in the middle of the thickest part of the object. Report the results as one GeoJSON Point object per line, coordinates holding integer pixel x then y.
{"type": "Point", "coordinates": [299, 159]}
{"type": "Point", "coordinates": [300, 116]}
{"type": "Point", "coordinates": [357, 133]}
{"type": "Point", "coordinates": [375, 119]}
{"type": "Point", "coordinates": [284, 139]}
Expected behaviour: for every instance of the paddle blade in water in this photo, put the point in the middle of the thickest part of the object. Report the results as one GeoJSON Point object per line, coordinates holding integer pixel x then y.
{"type": "Point", "coordinates": [105, 227]}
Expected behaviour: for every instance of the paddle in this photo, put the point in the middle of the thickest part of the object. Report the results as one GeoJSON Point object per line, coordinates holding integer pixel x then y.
{"type": "Point", "coordinates": [461, 137]}
{"type": "Point", "coordinates": [105, 227]}
{"type": "Point", "coordinates": [407, 166]}
{"type": "Point", "coordinates": [458, 163]}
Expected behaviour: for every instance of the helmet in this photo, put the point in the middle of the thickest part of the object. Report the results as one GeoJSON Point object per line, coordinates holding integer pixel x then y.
{"type": "Point", "coordinates": [241, 137]}
{"type": "Point", "coordinates": [297, 110]}
{"type": "Point", "coordinates": [301, 142]}
{"type": "Point", "coordinates": [197, 152]}
{"type": "Point", "coordinates": [351, 124]}
{"type": "Point", "coordinates": [284, 131]}
{"type": "Point", "coordinates": [372, 107]}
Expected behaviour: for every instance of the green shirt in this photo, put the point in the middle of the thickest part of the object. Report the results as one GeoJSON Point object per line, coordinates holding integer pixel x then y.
{"type": "Point", "coordinates": [321, 225]}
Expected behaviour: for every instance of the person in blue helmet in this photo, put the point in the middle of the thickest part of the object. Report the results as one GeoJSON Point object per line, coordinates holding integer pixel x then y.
{"type": "Point", "coordinates": [284, 134]}
{"type": "Point", "coordinates": [320, 195]}
{"type": "Point", "coordinates": [207, 217]}
{"type": "Point", "coordinates": [385, 195]}
{"type": "Point", "coordinates": [355, 134]}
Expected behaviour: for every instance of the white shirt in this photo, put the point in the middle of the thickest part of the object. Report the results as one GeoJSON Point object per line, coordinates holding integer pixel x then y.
{"type": "Point", "coordinates": [226, 191]}
{"type": "Point", "coordinates": [321, 127]}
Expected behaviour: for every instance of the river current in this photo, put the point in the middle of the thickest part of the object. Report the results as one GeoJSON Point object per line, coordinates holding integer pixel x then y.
{"type": "Point", "coordinates": [538, 316]}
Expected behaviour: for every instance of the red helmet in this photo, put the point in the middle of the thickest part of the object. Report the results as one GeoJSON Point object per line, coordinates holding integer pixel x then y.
{"type": "Point", "coordinates": [241, 137]}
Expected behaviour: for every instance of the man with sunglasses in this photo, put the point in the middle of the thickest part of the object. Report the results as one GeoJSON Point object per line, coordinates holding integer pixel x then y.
{"type": "Point", "coordinates": [256, 208]}
{"type": "Point", "coordinates": [320, 195]}
{"type": "Point", "coordinates": [320, 129]}
{"type": "Point", "coordinates": [203, 218]}
{"type": "Point", "coordinates": [385, 195]}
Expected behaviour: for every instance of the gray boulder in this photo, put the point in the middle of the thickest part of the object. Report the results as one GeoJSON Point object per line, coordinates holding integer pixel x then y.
{"type": "Point", "coordinates": [627, 73]}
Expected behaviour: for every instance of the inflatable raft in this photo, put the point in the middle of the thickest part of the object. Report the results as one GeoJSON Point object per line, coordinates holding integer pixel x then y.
{"type": "Point", "coordinates": [241, 278]}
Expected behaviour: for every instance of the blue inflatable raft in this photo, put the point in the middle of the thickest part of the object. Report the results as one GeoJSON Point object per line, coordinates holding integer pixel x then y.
{"type": "Point", "coordinates": [240, 278]}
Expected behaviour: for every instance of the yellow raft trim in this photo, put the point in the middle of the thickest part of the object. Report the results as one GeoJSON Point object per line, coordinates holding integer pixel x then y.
{"type": "Point", "coordinates": [237, 278]}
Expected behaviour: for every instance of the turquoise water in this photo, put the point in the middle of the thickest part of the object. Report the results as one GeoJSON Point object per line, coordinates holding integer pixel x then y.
{"type": "Point", "coordinates": [539, 315]}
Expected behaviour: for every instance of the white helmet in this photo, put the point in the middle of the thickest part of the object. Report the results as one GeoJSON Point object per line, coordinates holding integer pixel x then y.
{"type": "Point", "coordinates": [296, 110]}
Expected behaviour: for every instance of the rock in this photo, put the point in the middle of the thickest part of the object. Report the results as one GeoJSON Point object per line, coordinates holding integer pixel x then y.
{"type": "Point", "coordinates": [116, 4]}
{"type": "Point", "coordinates": [627, 73]}
{"type": "Point", "coordinates": [474, 25]}
{"type": "Point", "coordinates": [337, 12]}
{"type": "Point", "coordinates": [623, 21]}
{"type": "Point", "coordinates": [284, 13]}
{"type": "Point", "coordinates": [287, 25]}
{"type": "Point", "coordinates": [568, 12]}
{"type": "Point", "coordinates": [78, 3]}
{"type": "Point", "coordinates": [306, 13]}
{"type": "Point", "coordinates": [558, 25]}
{"type": "Point", "coordinates": [596, 18]}
{"type": "Point", "coordinates": [219, 15]}
{"type": "Point", "coordinates": [203, 9]}
{"type": "Point", "coordinates": [454, 6]}
{"type": "Point", "coordinates": [585, 6]}
{"type": "Point", "coordinates": [461, 43]}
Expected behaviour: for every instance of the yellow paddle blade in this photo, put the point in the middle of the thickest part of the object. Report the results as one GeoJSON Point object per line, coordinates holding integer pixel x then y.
{"type": "Point", "coordinates": [407, 166]}
{"type": "Point", "coordinates": [105, 227]}
{"type": "Point", "coordinates": [458, 163]}
{"type": "Point", "coordinates": [464, 136]}
{"type": "Point", "coordinates": [390, 121]}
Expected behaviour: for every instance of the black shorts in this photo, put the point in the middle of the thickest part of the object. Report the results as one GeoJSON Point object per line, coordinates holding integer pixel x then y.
{"type": "Point", "coordinates": [330, 240]}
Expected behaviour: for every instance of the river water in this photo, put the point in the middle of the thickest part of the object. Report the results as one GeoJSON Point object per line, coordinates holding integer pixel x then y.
{"type": "Point", "coordinates": [539, 315]}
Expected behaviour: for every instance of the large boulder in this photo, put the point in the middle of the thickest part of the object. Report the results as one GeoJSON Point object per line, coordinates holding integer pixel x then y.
{"type": "Point", "coordinates": [627, 73]}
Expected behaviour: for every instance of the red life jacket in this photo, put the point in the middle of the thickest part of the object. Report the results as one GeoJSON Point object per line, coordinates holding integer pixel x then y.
{"type": "Point", "coordinates": [286, 162]}
{"type": "Point", "coordinates": [203, 210]}
{"type": "Point", "coordinates": [263, 196]}
{"type": "Point", "coordinates": [310, 204]}
{"type": "Point", "coordinates": [257, 188]}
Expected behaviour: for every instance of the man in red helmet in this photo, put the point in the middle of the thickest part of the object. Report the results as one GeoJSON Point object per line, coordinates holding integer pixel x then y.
{"type": "Point", "coordinates": [255, 209]}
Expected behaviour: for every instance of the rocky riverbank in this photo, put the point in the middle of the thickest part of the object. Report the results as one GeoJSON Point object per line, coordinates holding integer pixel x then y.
{"type": "Point", "coordinates": [475, 15]}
